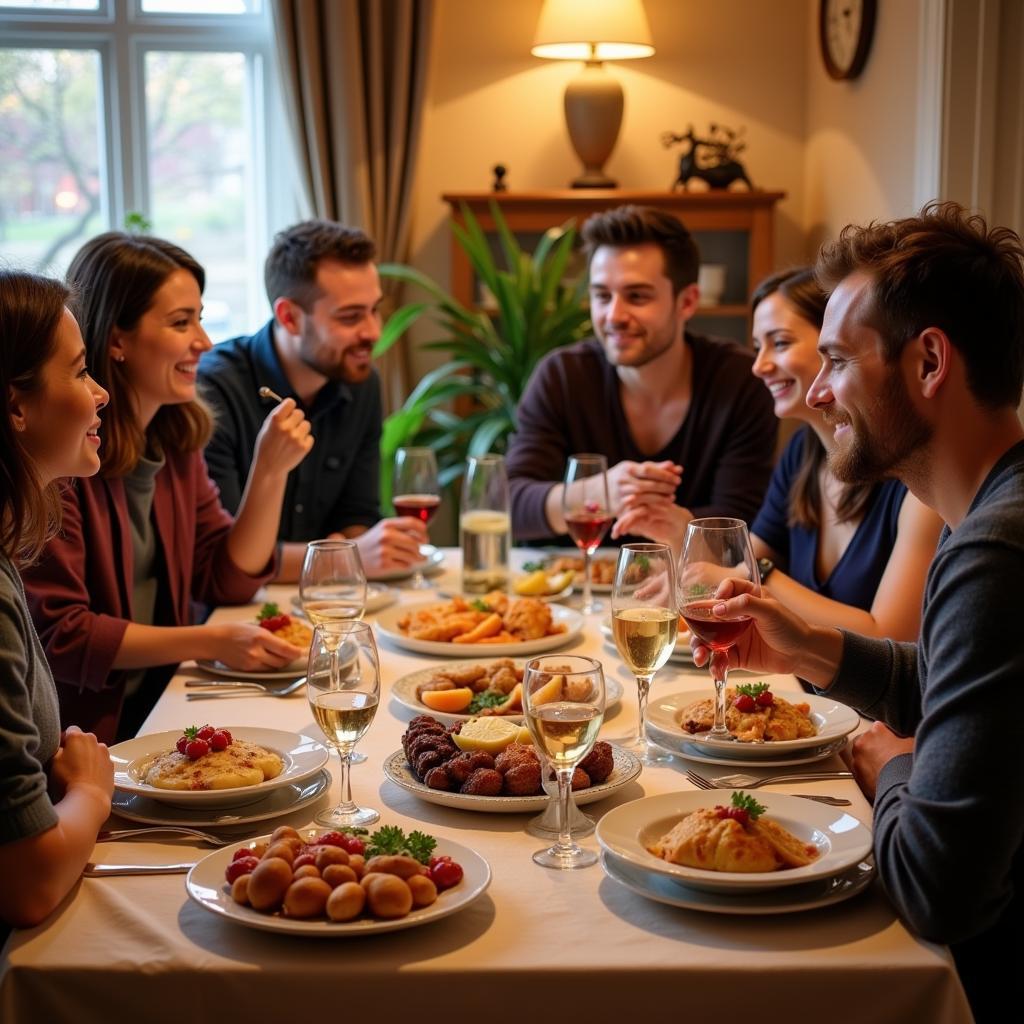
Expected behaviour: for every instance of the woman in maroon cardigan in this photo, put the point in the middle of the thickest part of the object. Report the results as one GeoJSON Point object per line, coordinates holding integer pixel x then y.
{"type": "Point", "coordinates": [112, 594]}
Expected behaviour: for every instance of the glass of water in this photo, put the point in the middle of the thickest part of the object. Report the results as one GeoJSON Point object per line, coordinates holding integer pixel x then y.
{"type": "Point", "coordinates": [485, 525]}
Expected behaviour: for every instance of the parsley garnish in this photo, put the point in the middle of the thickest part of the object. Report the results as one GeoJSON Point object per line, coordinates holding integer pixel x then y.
{"type": "Point", "coordinates": [486, 699]}
{"type": "Point", "coordinates": [268, 611]}
{"type": "Point", "coordinates": [533, 566]}
{"type": "Point", "coordinates": [480, 605]}
{"type": "Point", "coordinates": [390, 839]}
{"type": "Point", "coordinates": [752, 689]}
{"type": "Point", "coordinates": [745, 802]}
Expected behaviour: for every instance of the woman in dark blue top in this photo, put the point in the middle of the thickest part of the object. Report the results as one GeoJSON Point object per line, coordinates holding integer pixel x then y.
{"type": "Point", "coordinates": [844, 555]}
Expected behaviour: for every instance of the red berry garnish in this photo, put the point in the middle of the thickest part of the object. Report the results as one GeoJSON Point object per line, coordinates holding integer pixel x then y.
{"type": "Point", "coordinates": [197, 748]}
{"type": "Point", "coordinates": [218, 741]}
{"type": "Point", "coordinates": [331, 839]}
{"type": "Point", "coordinates": [445, 874]}
{"type": "Point", "coordinates": [182, 744]}
{"type": "Point", "coordinates": [765, 700]}
{"type": "Point", "coordinates": [242, 866]}
{"type": "Point", "coordinates": [205, 732]}
{"type": "Point", "coordinates": [745, 703]}
{"type": "Point", "coordinates": [303, 858]}
{"type": "Point", "coordinates": [354, 845]}
{"type": "Point", "coordinates": [243, 852]}
{"type": "Point", "coordinates": [739, 814]}
{"type": "Point", "coordinates": [228, 735]}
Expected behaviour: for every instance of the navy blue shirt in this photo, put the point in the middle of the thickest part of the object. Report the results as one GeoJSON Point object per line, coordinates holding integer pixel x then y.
{"type": "Point", "coordinates": [336, 485]}
{"type": "Point", "coordinates": [855, 577]}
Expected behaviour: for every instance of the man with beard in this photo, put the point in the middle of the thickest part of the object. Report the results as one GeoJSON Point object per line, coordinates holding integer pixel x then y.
{"type": "Point", "coordinates": [923, 367]}
{"type": "Point", "coordinates": [678, 416]}
{"type": "Point", "coordinates": [325, 294]}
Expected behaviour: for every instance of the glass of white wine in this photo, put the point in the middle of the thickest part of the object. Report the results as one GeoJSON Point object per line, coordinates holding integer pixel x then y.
{"type": "Point", "coordinates": [563, 705]}
{"type": "Point", "coordinates": [644, 624]}
{"type": "Point", "coordinates": [343, 688]}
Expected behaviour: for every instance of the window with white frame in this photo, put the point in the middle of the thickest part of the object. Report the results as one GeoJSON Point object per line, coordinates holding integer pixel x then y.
{"type": "Point", "coordinates": [153, 112]}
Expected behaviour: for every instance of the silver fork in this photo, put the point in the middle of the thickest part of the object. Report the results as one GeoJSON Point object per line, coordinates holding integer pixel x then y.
{"type": "Point", "coordinates": [221, 691]}
{"type": "Point", "coordinates": [128, 833]}
{"type": "Point", "coordinates": [833, 801]}
{"type": "Point", "coordinates": [739, 780]}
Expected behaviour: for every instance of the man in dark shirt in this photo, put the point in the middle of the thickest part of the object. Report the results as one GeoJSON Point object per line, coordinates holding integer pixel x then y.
{"type": "Point", "coordinates": [325, 293]}
{"type": "Point", "coordinates": [922, 370]}
{"type": "Point", "coordinates": [679, 417]}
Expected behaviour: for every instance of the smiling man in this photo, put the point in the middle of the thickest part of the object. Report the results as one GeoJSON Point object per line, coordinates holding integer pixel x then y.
{"type": "Point", "coordinates": [679, 417]}
{"type": "Point", "coordinates": [325, 293]}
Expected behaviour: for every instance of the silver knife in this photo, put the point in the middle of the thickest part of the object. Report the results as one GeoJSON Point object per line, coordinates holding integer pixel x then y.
{"type": "Point", "coordinates": [101, 870]}
{"type": "Point", "coordinates": [832, 801]}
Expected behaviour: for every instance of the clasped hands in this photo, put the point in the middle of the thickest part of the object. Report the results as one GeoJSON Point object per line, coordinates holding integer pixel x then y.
{"type": "Point", "coordinates": [642, 496]}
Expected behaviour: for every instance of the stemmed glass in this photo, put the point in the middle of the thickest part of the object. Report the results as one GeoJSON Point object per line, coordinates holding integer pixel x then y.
{"type": "Point", "coordinates": [587, 512]}
{"type": "Point", "coordinates": [343, 687]}
{"type": "Point", "coordinates": [563, 706]}
{"type": "Point", "coordinates": [416, 492]}
{"type": "Point", "coordinates": [644, 625]}
{"type": "Point", "coordinates": [714, 550]}
{"type": "Point", "coordinates": [332, 589]}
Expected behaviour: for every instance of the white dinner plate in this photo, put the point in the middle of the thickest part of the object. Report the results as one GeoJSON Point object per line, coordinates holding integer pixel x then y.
{"type": "Point", "coordinates": [303, 756]}
{"type": "Point", "coordinates": [206, 885]}
{"type": "Point", "coordinates": [387, 626]}
{"type": "Point", "coordinates": [433, 558]}
{"type": "Point", "coordinates": [398, 770]}
{"type": "Point", "coordinates": [292, 671]}
{"type": "Point", "coordinates": [404, 693]}
{"type": "Point", "coordinates": [842, 840]}
{"type": "Point", "coordinates": [832, 720]}
{"type": "Point", "coordinates": [681, 653]}
{"type": "Point", "coordinates": [378, 595]}
{"type": "Point", "coordinates": [790, 900]}
{"type": "Point", "coordinates": [282, 800]}
{"type": "Point", "coordinates": [701, 756]}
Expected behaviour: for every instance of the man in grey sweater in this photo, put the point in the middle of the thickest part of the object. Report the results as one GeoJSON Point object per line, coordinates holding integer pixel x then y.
{"type": "Point", "coordinates": [923, 367]}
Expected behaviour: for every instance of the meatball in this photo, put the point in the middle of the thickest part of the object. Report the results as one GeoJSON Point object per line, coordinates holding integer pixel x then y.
{"type": "Point", "coordinates": [580, 779]}
{"type": "Point", "coordinates": [515, 754]}
{"type": "Point", "coordinates": [461, 767]}
{"type": "Point", "coordinates": [427, 760]}
{"type": "Point", "coordinates": [437, 778]}
{"type": "Point", "coordinates": [523, 778]}
{"type": "Point", "coordinates": [599, 763]}
{"type": "Point", "coordinates": [483, 782]}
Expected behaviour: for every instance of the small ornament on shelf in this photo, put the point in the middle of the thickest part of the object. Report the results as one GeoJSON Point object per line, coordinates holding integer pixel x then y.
{"type": "Point", "coordinates": [500, 170]}
{"type": "Point", "coordinates": [712, 160]}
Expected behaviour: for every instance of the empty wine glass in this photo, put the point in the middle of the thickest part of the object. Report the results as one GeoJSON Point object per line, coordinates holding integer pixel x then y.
{"type": "Point", "coordinates": [563, 706]}
{"type": "Point", "coordinates": [587, 512]}
{"type": "Point", "coordinates": [416, 492]}
{"type": "Point", "coordinates": [644, 625]}
{"type": "Point", "coordinates": [714, 550]}
{"type": "Point", "coordinates": [343, 688]}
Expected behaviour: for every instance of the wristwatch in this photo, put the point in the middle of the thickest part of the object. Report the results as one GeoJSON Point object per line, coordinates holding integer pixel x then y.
{"type": "Point", "coordinates": [765, 567]}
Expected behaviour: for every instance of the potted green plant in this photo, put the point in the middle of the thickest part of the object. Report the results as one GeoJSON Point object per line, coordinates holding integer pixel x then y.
{"type": "Point", "coordinates": [491, 352]}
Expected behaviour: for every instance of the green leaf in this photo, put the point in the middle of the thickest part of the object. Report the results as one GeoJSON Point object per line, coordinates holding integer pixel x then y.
{"type": "Point", "coordinates": [398, 323]}
{"type": "Point", "coordinates": [752, 689]}
{"type": "Point", "coordinates": [745, 802]}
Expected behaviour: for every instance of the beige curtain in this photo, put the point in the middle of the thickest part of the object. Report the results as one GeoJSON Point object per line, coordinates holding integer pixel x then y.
{"type": "Point", "coordinates": [353, 75]}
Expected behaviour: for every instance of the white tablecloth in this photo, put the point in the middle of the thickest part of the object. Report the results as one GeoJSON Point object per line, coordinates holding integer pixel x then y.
{"type": "Point", "coordinates": [136, 948]}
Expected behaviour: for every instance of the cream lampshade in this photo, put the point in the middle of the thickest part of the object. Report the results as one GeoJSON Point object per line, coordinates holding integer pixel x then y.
{"type": "Point", "coordinates": [593, 31]}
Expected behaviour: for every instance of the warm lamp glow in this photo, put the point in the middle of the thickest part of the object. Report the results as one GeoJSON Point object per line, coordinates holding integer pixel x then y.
{"type": "Point", "coordinates": [592, 30]}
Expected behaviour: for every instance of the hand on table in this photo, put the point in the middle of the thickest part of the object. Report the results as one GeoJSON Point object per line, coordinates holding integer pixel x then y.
{"type": "Point", "coordinates": [652, 479]}
{"type": "Point", "coordinates": [249, 648]}
{"type": "Point", "coordinates": [390, 544]}
{"type": "Point", "coordinates": [871, 751]}
{"type": "Point", "coordinates": [81, 761]}
{"type": "Point", "coordinates": [284, 440]}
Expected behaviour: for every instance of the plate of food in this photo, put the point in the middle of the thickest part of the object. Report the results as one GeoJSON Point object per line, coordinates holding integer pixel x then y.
{"type": "Point", "coordinates": [493, 624]}
{"type": "Point", "coordinates": [253, 883]}
{"type": "Point", "coordinates": [459, 691]}
{"type": "Point", "coordinates": [277, 802]}
{"type": "Point", "coordinates": [764, 724]}
{"type": "Point", "coordinates": [729, 841]}
{"type": "Point", "coordinates": [708, 755]}
{"type": "Point", "coordinates": [378, 595]}
{"type": "Point", "coordinates": [287, 627]}
{"type": "Point", "coordinates": [491, 765]}
{"type": "Point", "coordinates": [789, 900]}
{"type": "Point", "coordinates": [681, 653]}
{"type": "Point", "coordinates": [433, 559]}
{"type": "Point", "coordinates": [602, 566]}
{"type": "Point", "coordinates": [191, 768]}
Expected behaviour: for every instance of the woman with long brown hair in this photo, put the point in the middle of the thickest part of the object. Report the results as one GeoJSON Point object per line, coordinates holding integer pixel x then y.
{"type": "Point", "coordinates": [48, 430]}
{"type": "Point", "coordinates": [112, 594]}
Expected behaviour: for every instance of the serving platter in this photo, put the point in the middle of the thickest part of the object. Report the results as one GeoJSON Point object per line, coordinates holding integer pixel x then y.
{"type": "Point", "coordinates": [398, 770]}
{"type": "Point", "coordinates": [206, 886]}
{"type": "Point", "coordinates": [303, 756]}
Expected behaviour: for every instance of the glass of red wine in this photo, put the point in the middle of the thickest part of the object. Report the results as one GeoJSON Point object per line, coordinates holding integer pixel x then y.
{"type": "Point", "coordinates": [587, 512]}
{"type": "Point", "coordinates": [416, 492]}
{"type": "Point", "coordinates": [715, 550]}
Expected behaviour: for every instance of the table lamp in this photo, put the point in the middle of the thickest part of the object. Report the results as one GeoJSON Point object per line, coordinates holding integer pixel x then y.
{"type": "Point", "coordinates": [593, 31]}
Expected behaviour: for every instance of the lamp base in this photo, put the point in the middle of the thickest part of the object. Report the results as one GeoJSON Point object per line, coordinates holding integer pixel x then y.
{"type": "Point", "coordinates": [593, 115]}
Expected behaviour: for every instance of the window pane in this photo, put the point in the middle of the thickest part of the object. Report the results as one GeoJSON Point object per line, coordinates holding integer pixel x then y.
{"type": "Point", "coordinates": [200, 6]}
{"type": "Point", "coordinates": [54, 5]}
{"type": "Point", "coordinates": [201, 173]}
{"type": "Point", "coordinates": [50, 187]}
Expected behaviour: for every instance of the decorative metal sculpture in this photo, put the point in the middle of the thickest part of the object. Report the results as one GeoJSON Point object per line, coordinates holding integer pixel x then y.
{"type": "Point", "coordinates": [712, 160]}
{"type": "Point", "coordinates": [499, 184]}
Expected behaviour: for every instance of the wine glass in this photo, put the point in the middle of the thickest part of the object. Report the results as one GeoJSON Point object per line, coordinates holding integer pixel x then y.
{"type": "Point", "coordinates": [714, 550]}
{"type": "Point", "coordinates": [416, 492]}
{"type": "Point", "coordinates": [644, 625]}
{"type": "Point", "coordinates": [343, 687]}
{"type": "Point", "coordinates": [332, 587]}
{"type": "Point", "coordinates": [563, 706]}
{"type": "Point", "coordinates": [587, 512]}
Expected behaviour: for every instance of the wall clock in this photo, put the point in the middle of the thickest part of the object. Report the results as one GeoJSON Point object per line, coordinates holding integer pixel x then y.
{"type": "Point", "coordinates": [845, 30]}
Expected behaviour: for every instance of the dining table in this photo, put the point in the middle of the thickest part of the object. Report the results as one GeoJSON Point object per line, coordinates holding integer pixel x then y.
{"type": "Point", "coordinates": [538, 941]}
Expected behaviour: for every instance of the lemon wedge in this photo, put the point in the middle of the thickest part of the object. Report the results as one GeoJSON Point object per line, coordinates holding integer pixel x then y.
{"type": "Point", "coordinates": [533, 585]}
{"type": "Point", "coordinates": [490, 734]}
{"type": "Point", "coordinates": [558, 582]}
